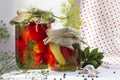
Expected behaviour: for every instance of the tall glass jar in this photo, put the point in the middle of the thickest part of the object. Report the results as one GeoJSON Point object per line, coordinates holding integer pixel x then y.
{"type": "Point", "coordinates": [30, 30]}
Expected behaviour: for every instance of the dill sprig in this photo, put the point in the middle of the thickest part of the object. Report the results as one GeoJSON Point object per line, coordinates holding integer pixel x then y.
{"type": "Point", "coordinates": [71, 14]}
{"type": "Point", "coordinates": [7, 62]}
{"type": "Point", "coordinates": [4, 35]}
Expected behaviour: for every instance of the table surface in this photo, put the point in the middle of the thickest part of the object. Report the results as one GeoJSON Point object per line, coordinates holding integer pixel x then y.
{"type": "Point", "coordinates": [105, 74]}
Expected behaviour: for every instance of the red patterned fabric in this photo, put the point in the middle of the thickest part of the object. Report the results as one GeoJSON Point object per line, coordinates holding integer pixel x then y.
{"type": "Point", "coordinates": [101, 28]}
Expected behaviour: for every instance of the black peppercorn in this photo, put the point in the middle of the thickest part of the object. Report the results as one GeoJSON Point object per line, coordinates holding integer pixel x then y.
{"type": "Point", "coordinates": [92, 78]}
{"type": "Point", "coordinates": [96, 76]}
{"type": "Point", "coordinates": [64, 75]}
{"type": "Point", "coordinates": [83, 76]}
{"type": "Point", "coordinates": [79, 73]}
{"type": "Point", "coordinates": [114, 72]}
{"type": "Point", "coordinates": [88, 75]}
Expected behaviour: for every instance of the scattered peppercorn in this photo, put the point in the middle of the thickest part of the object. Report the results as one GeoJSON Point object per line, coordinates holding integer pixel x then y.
{"type": "Point", "coordinates": [47, 71]}
{"type": "Point", "coordinates": [88, 75]}
{"type": "Point", "coordinates": [64, 75]}
{"type": "Point", "coordinates": [79, 73]}
{"type": "Point", "coordinates": [54, 78]}
{"type": "Point", "coordinates": [114, 72]}
{"type": "Point", "coordinates": [60, 78]}
{"type": "Point", "coordinates": [92, 78]}
{"type": "Point", "coordinates": [96, 76]}
{"type": "Point", "coordinates": [83, 76]}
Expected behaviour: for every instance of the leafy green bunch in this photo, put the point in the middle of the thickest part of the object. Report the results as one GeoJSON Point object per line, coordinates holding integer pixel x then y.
{"type": "Point", "coordinates": [71, 14]}
{"type": "Point", "coordinates": [92, 57]}
{"type": "Point", "coordinates": [3, 31]}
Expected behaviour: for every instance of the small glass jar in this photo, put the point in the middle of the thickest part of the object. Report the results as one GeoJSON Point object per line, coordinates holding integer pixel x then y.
{"type": "Point", "coordinates": [64, 52]}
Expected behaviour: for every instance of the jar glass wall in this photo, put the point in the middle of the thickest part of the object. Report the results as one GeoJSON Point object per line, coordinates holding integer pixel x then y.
{"type": "Point", "coordinates": [30, 48]}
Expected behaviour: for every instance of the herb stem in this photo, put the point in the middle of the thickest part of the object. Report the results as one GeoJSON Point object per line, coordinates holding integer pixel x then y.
{"type": "Point", "coordinates": [7, 64]}
{"type": "Point", "coordinates": [58, 17]}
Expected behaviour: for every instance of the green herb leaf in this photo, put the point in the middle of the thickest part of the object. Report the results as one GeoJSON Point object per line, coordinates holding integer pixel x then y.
{"type": "Point", "coordinates": [86, 52]}
{"type": "Point", "coordinates": [99, 63]}
{"type": "Point", "coordinates": [94, 63]}
{"type": "Point", "coordinates": [93, 53]}
{"type": "Point", "coordinates": [100, 56]}
{"type": "Point", "coordinates": [94, 57]}
{"type": "Point", "coordinates": [31, 44]}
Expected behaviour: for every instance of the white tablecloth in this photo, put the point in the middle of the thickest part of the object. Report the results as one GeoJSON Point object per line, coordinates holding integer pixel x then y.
{"type": "Point", "coordinates": [105, 74]}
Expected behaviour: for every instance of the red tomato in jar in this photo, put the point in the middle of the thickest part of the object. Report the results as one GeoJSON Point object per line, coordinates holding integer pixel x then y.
{"type": "Point", "coordinates": [38, 59]}
{"type": "Point", "coordinates": [68, 54]}
{"type": "Point", "coordinates": [34, 32]}
{"type": "Point", "coordinates": [20, 45]}
{"type": "Point", "coordinates": [40, 47]}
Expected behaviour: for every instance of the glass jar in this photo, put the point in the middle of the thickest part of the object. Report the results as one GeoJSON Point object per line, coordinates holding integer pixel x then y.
{"type": "Point", "coordinates": [30, 31]}
{"type": "Point", "coordinates": [64, 52]}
